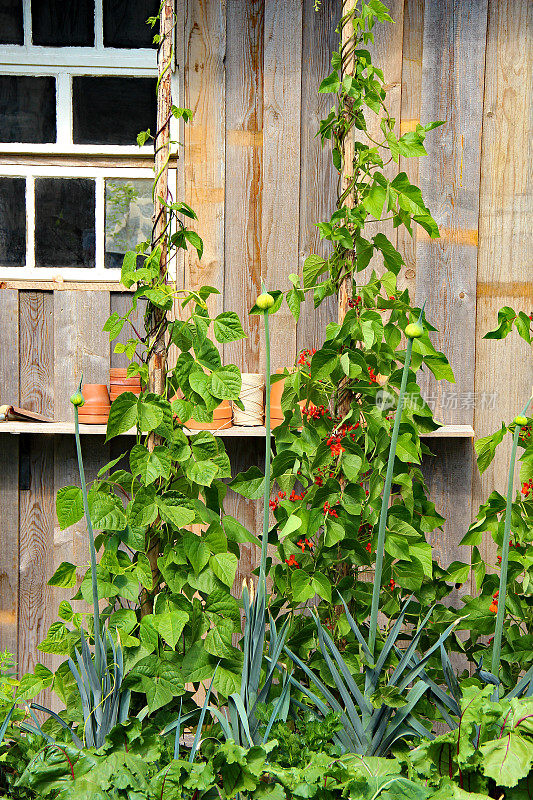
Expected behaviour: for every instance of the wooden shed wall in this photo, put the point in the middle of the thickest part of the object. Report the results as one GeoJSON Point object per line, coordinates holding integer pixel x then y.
{"type": "Point", "coordinates": [254, 171]}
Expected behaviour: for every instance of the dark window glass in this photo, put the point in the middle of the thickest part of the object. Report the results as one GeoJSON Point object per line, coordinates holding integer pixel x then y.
{"type": "Point", "coordinates": [64, 222]}
{"type": "Point", "coordinates": [112, 110]}
{"type": "Point", "coordinates": [128, 217]}
{"type": "Point", "coordinates": [11, 25]}
{"type": "Point", "coordinates": [27, 109]}
{"type": "Point", "coordinates": [125, 23]}
{"type": "Point", "coordinates": [62, 23]}
{"type": "Point", "coordinates": [12, 222]}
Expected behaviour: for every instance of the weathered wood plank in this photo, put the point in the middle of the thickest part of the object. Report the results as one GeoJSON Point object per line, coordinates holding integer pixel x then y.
{"type": "Point", "coordinates": [9, 351]}
{"type": "Point", "coordinates": [36, 494]}
{"type": "Point", "coordinates": [80, 344]}
{"type": "Point", "coordinates": [244, 151]}
{"type": "Point", "coordinates": [9, 494]}
{"type": "Point", "coordinates": [203, 155]}
{"type": "Point", "coordinates": [281, 163]}
{"type": "Point", "coordinates": [452, 90]}
{"type": "Point", "coordinates": [504, 369]}
{"type": "Point", "coordinates": [319, 179]}
{"type": "Point", "coordinates": [413, 44]}
{"type": "Point", "coordinates": [9, 554]}
{"type": "Point", "coordinates": [36, 612]}
{"type": "Point", "coordinates": [36, 318]}
{"type": "Point", "coordinates": [247, 512]}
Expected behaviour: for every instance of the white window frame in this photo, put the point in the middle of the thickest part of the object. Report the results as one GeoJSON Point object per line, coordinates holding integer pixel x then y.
{"type": "Point", "coordinates": [63, 63]}
{"type": "Point", "coordinates": [99, 174]}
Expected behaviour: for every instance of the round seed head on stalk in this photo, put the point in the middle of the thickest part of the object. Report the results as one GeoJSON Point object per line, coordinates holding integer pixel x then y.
{"type": "Point", "coordinates": [520, 420]}
{"type": "Point", "coordinates": [77, 399]}
{"type": "Point", "coordinates": [414, 330]}
{"type": "Point", "coordinates": [264, 301]}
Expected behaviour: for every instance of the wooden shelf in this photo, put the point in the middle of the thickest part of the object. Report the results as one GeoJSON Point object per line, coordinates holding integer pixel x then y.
{"type": "Point", "coordinates": [446, 432]}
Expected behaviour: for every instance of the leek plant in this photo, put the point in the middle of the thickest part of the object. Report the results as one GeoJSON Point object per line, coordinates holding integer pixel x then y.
{"type": "Point", "coordinates": [367, 729]}
{"type": "Point", "coordinates": [239, 721]}
{"type": "Point", "coordinates": [104, 700]}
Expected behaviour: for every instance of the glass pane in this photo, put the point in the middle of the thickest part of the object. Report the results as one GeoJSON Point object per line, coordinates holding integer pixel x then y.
{"type": "Point", "coordinates": [27, 109]}
{"type": "Point", "coordinates": [11, 24]}
{"type": "Point", "coordinates": [56, 23]}
{"type": "Point", "coordinates": [112, 110]}
{"type": "Point", "coordinates": [128, 217]}
{"type": "Point", "coordinates": [125, 23]}
{"type": "Point", "coordinates": [12, 222]}
{"type": "Point", "coordinates": [64, 222]}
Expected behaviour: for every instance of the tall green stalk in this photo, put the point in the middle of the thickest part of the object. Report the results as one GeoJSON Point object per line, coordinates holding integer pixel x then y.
{"type": "Point", "coordinates": [266, 495]}
{"type": "Point", "coordinates": [502, 592]}
{"type": "Point", "coordinates": [92, 549]}
{"type": "Point", "coordinates": [380, 548]}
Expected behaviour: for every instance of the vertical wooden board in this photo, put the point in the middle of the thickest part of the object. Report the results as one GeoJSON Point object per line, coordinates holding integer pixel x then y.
{"type": "Point", "coordinates": [504, 369]}
{"type": "Point", "coordinates": [36, 320]}
{"type": "Point", "coordinates": [36, 502]}
{"type": "Point", "coordinates": [281, 163]}
{"type": "Point", "coordinates": [452, 90]}
{"type": "Point", "coordinates": [9, 352]}
{"type": "Point", "coordinates": [448, 475]}
{"type": "Point", "coordinates": [247, 512]}
{"type": "Point", "coordinates": [35, 613]}
{"type": "Point", "coordinates": [319, 179]}
{"type": "Point", "coordinates": [9, 494]}
{"type": "Point", "coordinates": [81, 346]}
{"type": "Point", "coordinates": [203, 156]}
{"type": "Point", "coordinates": [244, 150]}
{"type": "Point", "coordinates": [413, 45]}
{"type": "Point", "coordinates": [121, 303]}
{"type": "Point", "coordinates": [9, 554]}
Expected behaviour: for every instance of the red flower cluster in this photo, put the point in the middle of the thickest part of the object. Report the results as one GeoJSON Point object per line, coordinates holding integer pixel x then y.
{"type": "Point", "coordinates": [373, 378]}
{"type": "Point", "coordinates": [291, 562]}
{"type": "Point", "coordinates": [392, 582]}
{"type": "Point", "coordinates": [334, 444]}
{"type": "Point", "coordinates": [527, 487]}
{"type": "Point", "coordinates": [354, 302]}
{"type": "Point", "coordinates": [329, 510]}
{"type": "Point", "coordinates": [368, 547]}
{"type": "Point", "coordinates": [525, 432]}
{"type": "Point", "coordinates": [275, 503]}
{"type": "Point", "coordinates": [346, 430]}
{"type": "Point", "coordinates": [305, 542]}
{"type": "Point", "coordinates": [295, 497]}
{"type": "Point", "coordinates": [304, 355]}
{"type": "Point", "coordinates": [314, 412]}
{"type": "Point", "coordinates": [494, 605]}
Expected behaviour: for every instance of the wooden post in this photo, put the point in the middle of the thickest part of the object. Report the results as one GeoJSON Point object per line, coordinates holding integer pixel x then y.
{"type": "Point", "coordinates": [348, 149]}
{"type": "Point", "coordinates": [157, 362]}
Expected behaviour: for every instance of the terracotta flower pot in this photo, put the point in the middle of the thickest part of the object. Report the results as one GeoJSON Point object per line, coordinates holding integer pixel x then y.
{"type": "Point", "coordinates": [222, 419]}
{"type": "Point", "coordinates": [94, 394]}
{"type": "Point", "coordinates": [276, 412]}
{"type": "Point", "coordinates": [95, 410]}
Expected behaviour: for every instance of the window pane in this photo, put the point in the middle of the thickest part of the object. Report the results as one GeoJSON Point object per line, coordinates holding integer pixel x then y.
{"type": "Point", "coordinates": [64, 222]}
{"type": "Point", "coordinates": [27, 109]}
{"type": "Point", "coordinates": [12, 222]}
{"type": "Point", "coordinates": [56, 23]}
{"type": "Point", "coordinates": [112, 110]}
{"type": "Point", "coordinates": [125, 23]}
{"type": "Point", "coordinates": [128, 217]}
{"type": "Point", "coordinates": [11, 25]}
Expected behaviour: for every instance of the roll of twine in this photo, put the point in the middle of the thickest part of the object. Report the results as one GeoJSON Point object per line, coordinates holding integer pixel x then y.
{"type": "Point", "coordinates": [251, 396]}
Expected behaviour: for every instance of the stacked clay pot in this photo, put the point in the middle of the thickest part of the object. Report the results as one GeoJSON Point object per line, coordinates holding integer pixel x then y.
{"type": "Point", "coordinates": [120, 383]}
{"type": "Point", "coordinates": [222, 419]}
{"type": "Point", "coordinates": [276, 412]}
{"type": "Point", "coordinates": [95, 410]}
